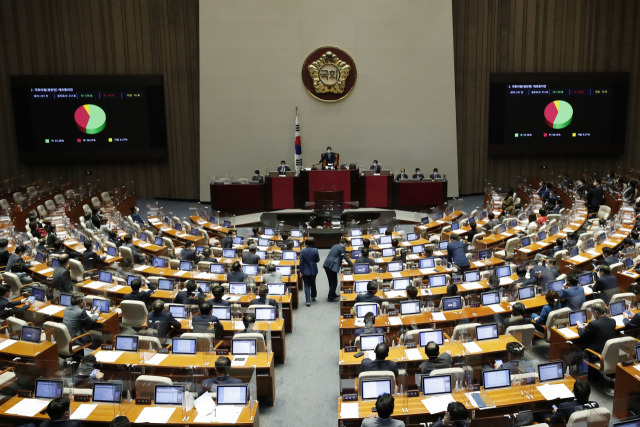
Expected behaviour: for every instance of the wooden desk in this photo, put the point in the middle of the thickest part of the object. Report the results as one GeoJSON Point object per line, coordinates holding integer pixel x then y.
{"type": "Point", "coordinates": [626, 393]}
{"type": "Point", "coordinates": [107, 322]}
{"type": "Point", "coordinates": [376, 191]}
{"type": "Point", "coordinates": [179, 236]}
{"type": "Point", "coordinates": [104, 413]}
{"type": "Point", "coordinates": [30, 359]}
{"type": "Point", "coordinates": [214, 230]}
{"type": "Point", "coordinates": [435, 226]}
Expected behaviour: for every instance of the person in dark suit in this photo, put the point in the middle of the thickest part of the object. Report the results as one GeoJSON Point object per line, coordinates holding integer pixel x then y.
{"type": "Point", "coordinates": [598, 331]}
{"type": "Point", "coordinates": [136, 295]}
{"type": "Point", "coordinates": [364, 259]}
{"type": "Point", "coordinates": [262, 299]}
{"type": "Point", "coordinates": [236, 275]}
{"type": "Point", "coordinates": [606, 285]}
{"type": "Point", "coordinates": [135, 216]}
{"type": "Point", "coordinates": [332, 265]}
{"type": "Point", "coordinates": [609, 257]}
{"type": "Point", "coordinates": [96, 219]}
{"type": "Point", "coordinates": [223, 366]}
{"type": "Point", "coordinates": [417, 174]}
{"type": "Point", "coordinates": [370, 295]}
{"type": "Point", "coordinates": [4, 253]}
{"type": "Point", "coordinates": [309, 259]}
{"type": "Point", "coordinates": [17, 265]}
{"type": "Point", "coordinates": [192, 294]}
{"type": "Point", "coordinates": [218, 293]}
{"type": "Point", "coordinates": [456, 416]}
{"type": "Point", "coordinates": [572, 295]}
{"type": "Point", "coordinates": [248, 320]}
{"type": "Point", "coordinates": [402, 175]}
{"type": "Point", "coordinates": [89, 257]}
{"type": "Point", "coordinates": [382, 416]}
{"type": "Point", "coordinates": [552, 304]}
{"type": "Point", "coordinates": [76, 318]}
{"type": "Point", "coordinates": [631, 324]}
{"type": "Point", "coordinates": [189, 253]}
{"type": "Point", "coordinates": [162, 322]}
{"type": "Point", "coordinates": [456, 253]}
{"type": "Point", "coordinates": [138, 258]}
{"type": "Point", "coordinates": [257, 177]}
{"type": "Point", "coordinates": [379, 364]}
{"type": "Point", "coordinates": [7, 306]}
{"type": "Point", "coordinates": [515, 364]}
{"type": "Point", "coordinates": [202, 322]}
{"type": "Point", "coordinates": [251, 258]}
{"type": "Point", "coordinates": [283, 168]}
{"type": "Point", "coordinates": [516, 317]}
{"type": "Point", "coordinates": [61, 275]}
{"type": "Point", "coordinates": [581, 391]}
{"type": "Point", "coordinates": [375, 167]}
{"type": "Point", "coordinates": [227, 241]}
{"type": "Point", "coordinates": [435, 359]}
{"type": "Point", "coordinates": [59, 412]}
{"type": "Point", "coordinates": [595, 196]}
{"type": "Point", "coordinates": [329, 158]}
{"type": "Point", "coordinates": [435, 174]}
{"type": "Point", "coordinates": [369, 321]}
{"type": "Point", "coordinates": [206, 255]}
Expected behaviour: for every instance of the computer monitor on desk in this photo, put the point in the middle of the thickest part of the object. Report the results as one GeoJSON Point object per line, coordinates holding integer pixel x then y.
{"type": "Point", "coordinates": [370, 341]}
{"type": "Point", "coordinates": [107, 392]}
{"type": "Point", "coordinates": [371, 389]}
{"type": "Point", "coordinates": [409, 307]}
{"type": "Point", "coordinates": [496, 379]}
{"type": "Point", "coordinates": [126, 343]}
{"type": "Point", "coordinates": [363, 309]}
{"type": "Point", "coordinates": [221, 312]}
{"type": "Point", "coordinates": [438, 384]}
{"type": "Point", "coordinates": [436, 336]}
{"type": "Point", "coordinates": [48, 389]}
{"type": "Point", "coordinates": [451, 303]}
{"type": "Point", "coordinates": [169, 394]}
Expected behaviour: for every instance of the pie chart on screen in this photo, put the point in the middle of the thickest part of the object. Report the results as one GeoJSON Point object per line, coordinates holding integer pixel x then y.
{"type": "Point", "coordinates": [558, 114]}
{"type": "Point", "coordinates": [90, 119]}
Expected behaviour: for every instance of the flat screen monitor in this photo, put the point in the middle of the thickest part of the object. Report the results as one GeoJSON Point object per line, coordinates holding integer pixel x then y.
{"type": "Point", "coordinates": [591, 244]}
{"type": "Point", "coordinates": [262, 254]}
{"type": "Point", "coordinates": [285, 270]}
{"type": "Point", "coordinates": [628, 263]}
{"type": "Point", "coordinates": [361, 269]}
{"type": "Point", "coordinates": [451, 303]}
{"type": "Point", "coordinates": [363, 309]}
{"type": "Point", "coordinates": [401, 284]}
{"type": "Point", "coordinates": [296, 233]}
{"type": "Point", "coordinates": [471, 276]}
{"type": "Point", "coordinates": [263, 242]}
{"type": "Point", "coordinates": [355, 254]}
{"type": "Point", "coordinates": [277, 288]}
{"type": "Point", "coordinates": [360, 286]}
{"type": "Point", "coordinates": [484, 254]}
{"type": "Point", "coordinates": [232, 394]}
{"type": "Point", "coordinates": [502, 228]}
{"type": "Point", "coordinates": [166, 284]}
{"type": "Point", "coordinates": [107, 392]}
{"type": "Point", "coordinates": [525, 241]}
{"type": "Point", "coordinates": [489, 298]}
{"type": "Point", "coordinates": [226, 223]}
{"type": "Point", "coordinates": [228, 253]}
{"type": "Point", "coordinates": [443, 245]}
{"type": "Point", "coordinates": [504, 271]}
{"type": "Point", "coordinates": [437, 336]}
{"type": "Point", "coordinates": [526, 292]}
{"type": "Point", "coordinates": [428, 262]}
{"type": "Point", "coordinates": [178, 311]}
{"type": "Point", "coordinates": [370, 341]}
{"type": "Point", "coordinates": [573, 251]}
{"type": "Point", "coordinates": [126, 343]}
{"type": "Point", "coordinates": [238, 240]}
{"type": "Point", "coordinates": [556, 285]}
{"type": "Point", "coordinates": [143, 237]}
{"type": "Point", "coordinates": [105, 277]}
{"type": "Point", "coordinates": [484, 214]}
{"type": "Point", "coordinates": [356, 242]}
{"type": "Point", "coordinates": [373, 388]}
{"type": "Point", "coordinates": [269, 232]}
{"type": "Point", "coordinates": [205, 286]}
{"type": "Point", "coordinates": [437, 281]}
{"type": "Point", "coordinates": [417, 249]}
{"type": "Point", "coordinates": [388, 252]}
{"type": "Point", "coordinates": [455, 226]}
{"type": "Point", "coordinates": [265, 313]}
{"type": "Point", "coordinates": [55, 263]}
{"type": "Point", "coordinates": [217, 269]}
{"type": "Point", "coordinates": [250, 270]}
{"type": "Point", "coordinates": [168, 394]}
{"type": "Point", "coordinates": [356, 232]}
{"type": "Point", "coordinates": [101, 304]}
{"type": "Point", "coordinates": [221, 312]}
{"type": "Point", "coordinates": [496, 379]}
{"type": "Point", "coordinates": [440, 215]}
{"type": "Point", "coordinates": [48, 389]}
{"type": "Point", "coordinates": [487, 332]}
{"type": "Point", "coordinates": [237, 288]}
{"type": "Point", "coordinates": [577, 316]}
{"type": "Point", "coordinates": [158, 241]}
{"type": "Point", "coordinates": [438, 384]}
{"type": "Point", "coordinates": [65, 300]}
{"type": "Point", "coordinates": [585, 279]}
{"type": "Point", "coordinates": [383, 229]}
{"type": "Point", "coordinates": [38, 294]}
{"type": "Point", "coordinates": [183, 346]}
{"type": "Point", "coordinates": [244, 346]}
{"type": "Point", "coordinates": [550, 371]}
{"type": "Point", "coordinates": [112, 251]}
{"type": "Point", "coordinates": [412, 236]}
{"type": "Point", "coordinates": [159, 262]}
{"type": "Point", "coordinates": [40, 256]}
{"type": "Point", "coordinates": [289, 255]}
{"type": "Point", "coordinates": [409, 307]}
{"type": "Point", "coordinates": [177, 226]}
{"type": "Point", "coordinates": [394, 266]}
{"type": "Point", "coordinates": [131, 278]}
{"type": "Point", "coordinates": [638, 353]}
{"type": "Point", "coordinates": [386, 240]}
{"type": "Point", "coordinates": [186, 266]}
{"type": "Point", "coordinates": [617, 308]}
{"type": "Point", "coordinates": [31, 334]}
{"type": "Point", "coordinates": [554, 230]}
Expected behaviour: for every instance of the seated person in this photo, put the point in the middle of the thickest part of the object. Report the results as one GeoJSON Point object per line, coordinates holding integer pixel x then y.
{"type": "Point", "coordinates": [236, 275]}
{"type": "Point", "coordinates": [59, 412]}
{"type": "Point", "coordinates": [370, 295]}
{"type": "Point", "coordinates": [515, 364]}
{"type": "Point", "coordinates": [126, 269]}
{"type": "Point", "coordinates": [283, 168]}
{"type": "Point", "coordinates": [369, 321]}
{"type": "Point", "coordinates": [136, 295]}
{"type": "Point", "coordinates": [192, 294]}
{"type": "Point", "coordinates": [135, 216]}
{"type": "Point", "coordinates": [120, 421]}
{"type": "Point", "coordinates": [402, 175]}
{"type": "Point", "coordinates": [77, 320]}
{"type": "Point", "coordinates": [382, 416]}
{"type": "Point", "coordinates": [138, 258]}
{"type": "Point", "coordinates": [606, 285]}
{"type": "Point", "coordinates": [206, 255]}
{"type": "Point", "coordinates": [6, 306]}
{"type": "Point", "coordinates": [412, 292]}
{"type": "Point", "coordinates": [223, 366]}
{"type": "Point", "coordinates": [257, 177]}
{"type": "Point", "coordinates": [112, 237]}
{"type": "Point", "coordinates": [251, 258]}
{"type": "Point", "coordinates": [581, 391]}
{"type": "Point", "coordinates": [379, 364]}
{"type": "Point", "coordinates": [328, 159]}
{"type": "Point", "coordinates": [218, 293]}
{"type": "Point", "coordinates": [162, 322]}
{"type": "Point", "coordinates": [248, 320]}
{"type": "Point", "coordinates": [272, 275]}
{"type": "Point", "coordinates": [493, 221]}
{"type": "Point", "coordinates": [188, 253]}
{"type": "Point", "coordinates": [539, 321]}
{"type": "Point", "coordinates": [571, 294]}
{"type": "Point", "coordinates": [435, 174]}
{"type": "Point", "coordinates": [202, 321]}
{"type": "Point", "coordinates": [435, 360]}
{"type": "Point", "coordinates": [364, 259]}
{"type": "Point", "coordinates": [227, 241]}
{"type": "Point", "coordinates": [456, 253]}
{"type": "Point", "coordinates": [609, 257]}
{"type": "Point", "coordinates": [516, 317]}
{"type": "Point", "coordinates": [18, 266]}
{"type": "Point", "coordinates": [595, 334]}
{"type": "Point", "coordinates": [262, 299]}
{"type": "Point", "coordinates": [402, 256]}
{"type": "Point", "coordinates": [417, 174]}
{"type": "Point", "coordinates": [4, 253]}
{"type": "Point", "coordinates": [456, 416]}
{"type": "Point", "coordinates": [89, 257]}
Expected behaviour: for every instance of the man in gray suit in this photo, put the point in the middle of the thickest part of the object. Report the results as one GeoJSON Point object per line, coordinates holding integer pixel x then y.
{"type": "Point", "coordinates": [76, 318]}
{"type": "Point", "coordinates": [332, 266]}
{"type": "Point", "coordinates": [61, 275]}
{"type": "Point", "coordinates": [251, 258]}
{"type": "Point", "coordinates": [384, 408]}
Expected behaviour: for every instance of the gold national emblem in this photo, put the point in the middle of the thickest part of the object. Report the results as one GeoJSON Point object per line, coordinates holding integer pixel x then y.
{"type": "Point", "coordinates": [329, 73]}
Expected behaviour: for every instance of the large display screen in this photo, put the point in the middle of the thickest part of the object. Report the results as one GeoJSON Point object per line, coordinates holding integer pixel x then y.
{"type": "Point", "coordinates": [89, 118]}
{"type": "Point", "coordinates": [558, 113]}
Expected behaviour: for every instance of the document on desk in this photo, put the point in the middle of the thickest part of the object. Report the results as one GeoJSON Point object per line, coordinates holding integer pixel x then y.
{"type": "Point", "coordinates": [144, 244]}
{"type": "Point", "coordinates": [619, 320]}
{"type": "Point", "coordinates": [472, 285]}
{"type": "Point", "coordinates": [50, 310]}
{"type": "Point", "coordinates": [223, 414]}
{"type": "Point", "coordinates": [506, 281]}
{"type": "Point", "coordinates": [427, 270]}
{"type": "Point", "coordinates": [385, 246]}
{"type": "Point", "coordinates": [6, 343]}
{"type": "Point", "coordinates": [396, 294]}
{"type": "Point", "coordinates": [525, 250]}
{"type": "Point", "coordinates": [395, 320]}
{"type": "Point", "coordinates": [396, 275]}
{"type": "Point", "coordinates": [157, 359]}
{"type": "Point", "coordinates": [479, 264]}
{"type": "Point", "coordinates": [116, 288]}
{"type": "Point", "coordinates": [108, 356]}
{"type": "Point", "coordinates": [46, 270]}
{"type": "Point", "coordinates": [497, 308]}
{"type": "Point", "coordinates": [437, 404]}
{"type": "Point", "coordinates": [413, 354]}
{"type": "Point", "coordinates": [155, 415]}
{"type": "Point", "coordinates": [28, 407]}
{"type": "Point", "coordinates": [94, 285]}
{"type": "Point", "coordinates": [568, 333]}
{"type": "Point", "coordinates": [349, 410]}
{"type": "Point", "coordinates": [347, 278]}
{"type": "Point", "coordinates": [439, 317]}
{"type": "Point", "coordinates": [180, 273]}
{"type": "Point", "coordinates": [70, 242]}
{"type": "Point", "coordinates": [204, 276]}
{"type": "Point", "coordinates": [424, 292]}
{"type": "Point", "coordinates": [555, 391]}
{"type": "Point", "coordinates": [275, 261]}
{"type": "Point", "coordinates": [204, 404]}
{"type": "Point", "coordinates": [239, 360]}
{"type": "Point", "coordinates": [579, 258]}
{"type": "Point", "coordinates": [141, 268]}
{"type": "Point", "coordinates": [472, 347]}
{"type": "Point", "coordinates": [238, 325]}
{"type": "Point", "coordinates": [593, 252]}
{"type": "Point", "coordinates": [83, 411]}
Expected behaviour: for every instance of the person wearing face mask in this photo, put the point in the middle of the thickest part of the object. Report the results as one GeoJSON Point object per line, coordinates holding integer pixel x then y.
{"type": "Point", "coordinates": [328, 159]}
{"type": "Point", "coordinates": [135, 216]}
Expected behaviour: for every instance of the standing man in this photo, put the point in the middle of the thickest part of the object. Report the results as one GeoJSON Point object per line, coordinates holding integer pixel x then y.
{"type": "Point", "coordinates": [309, 259]}
{"type": "Point", "coordinates": [402, 175]}
{"type": "Point", "coordinates": [283, 168]}
{"type": "Point", "coordinates": [227, 241]}
{"type": "Point", "coordinates": [332, 267]}
{"type": "Point", "coordinates": [457, 253]}
{"type": "Point", "coordinates": [375, 167]}
{"type": "Point", "coordinates": [61, 275]}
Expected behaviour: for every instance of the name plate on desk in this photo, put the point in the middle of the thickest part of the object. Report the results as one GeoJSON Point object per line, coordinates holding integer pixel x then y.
{"type": "Point", "coordinates": [349, 397]}
{"type": "Point", "coordinates": [413, 393]}
{"type": "Point", "coordinates": [350, 349]}
{"type": "Point", "coordinates": [82, 398]}
{"type": "Point", "coordinates": [222, 352]}
{"type": "Point", "coordinates": [163, 351]}
{"type": "Point", "coordinates": [348, 316]}
{"type": "Point", "coordinates": [347, 291]}
{"type": "Point", "coordinates": [106, 347]}
{"type": "Point", "coordinates": [25, 393]}
{"type": "Point", "coordinates": [392, 313]}
{"type": "Point", "coordinates": [411, 345]}
{"type": "Point", "coordinates": [143, 401]}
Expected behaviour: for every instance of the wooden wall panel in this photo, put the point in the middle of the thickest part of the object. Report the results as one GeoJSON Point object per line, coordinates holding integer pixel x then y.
{"type": "Point", "coordinates": [538, 36]}
{"type": "Point", "coordinates": [109, 37]}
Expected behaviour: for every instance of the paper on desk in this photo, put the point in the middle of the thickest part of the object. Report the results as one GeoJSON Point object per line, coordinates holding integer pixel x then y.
{"type": "Point", "coordinates": [427, 270]}
{"type": "Point", "coordinates": [94, 285]}
{"type": "Point", "coordinates": [239, 361]}
{"type": "Point", "coordinates": [157, 359]}
{"type": "Point", "coordinates": [144, 244]}
{"type": "Point", "coordinates": [275, 261]}
{"type": "Point", "coordinates": [71, 242]}
{"type": "Point", "coordinates": [425, 292]}
{"type": "Point", "coordinates": [471, 285]}
{"type": "Point", "coordinates": [28, 407]}
{"type": "Point", "coordinates": [46, 270]}
{"type": "Point", "coordinates": [396, 275]}
{"type": "Point", "coordinates": [141, 268]}
{"type": "Point", "coordinates": [108, 356]}
{"type": "Point", "coordinates": [637, 366]}
{"type": "Point", "coordinates": [349, 410]}
{"type": "Point", "coordinates": [6, 343]}
{"type": "Point", "coordinates": [347, 278]}
{"type": "Point", "coordinates": [579, 258]}
{"type": "Point", "coordinates": [459, 231]}
{"type": "Point", "coordinates": [204, 275]}
{"type": "Point", "coordinates": [472, 347]}
{"type": "Point", "coordinates": [619, 320]}
{"type": "Point", "coordinates": [609, 243]}
{"type": "Point", "coordinates": [413, 354]}
{"type": "Point", "coordinates": [525, 250]}
{"type": "Point", "coordinates": [437, 404]}
{"type": "Point", "coordinates": [370, 354]}
{"type": "Point", "coordinates": [479, 264]}
{"type": "Point", "coordinates": [395, 321]}
{"type": "Point", "coordinates": [204, 404]}
{"type": "Point", "coordinates": [224, 414]}
{"type": "Point", "coordinates": [232, 298]}
{"type": "Point", "coordinates": [555, 391]}
{"type": "Point", "coordinates": [83, 411]}
{"type": "Point", "coordinates": [237, 324]}
{"type": "Point", "coordinates": [116, 288]}
{"type": "Point", "coordinates": [396, 294]}
{"type": "Point", "coordinates": [497, 308]}
{"type": "Point", "coordinates": [587, 290]}
{"type": "Point", "coordinates": [50, 310]}
{"type": "Point", "coordinates": [180, 273]}
{"type": "Point", "coordinates": [568, 333]}
{"type": "Point", "coordinates": [506, 280]}
{"type": "Point", "coordinates": [593, 252]}
{"type": "Point", "coordinates": [182, 235]}
{"type": "Point", "coordinates": [155, 415]}
{"type": "Point", "coordinates": [439, 316]}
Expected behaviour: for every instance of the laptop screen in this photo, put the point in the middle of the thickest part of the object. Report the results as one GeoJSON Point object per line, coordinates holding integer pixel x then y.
{"type": "Point", "coordinates": [289, 255]}
{"type": "Point", "coordinates": [412, 236]}
{"type": "Point", "coordinates": [355, 254]}
{"type": "Point", "coordinates": [417, 249]}
{"type": "Point", "coordinates": [232, 394]}
{"type": "Point", "coordinates": [237, 288]}
{"type": "Point", "coordinates": [296, 233]}
{"type": "Point", "coordinates": [205, 286]}
{"type": "Point", "coordinates": [440, 215]}
{"type": "Point", "coordinates": [471, 276]}
{"type": "Point", "coordinates": [550, 371]}
{"type": "Point", "coordinates": [628, 262]}
{"type": "Point", "coordinates": [55, 263]}
{"type": "Point", "coordinates": [183, 346]}
{"type": "Point", "coordinates": [217, 269]}
{"type": "Point", "coordinates": [250, 270]}
{"type": "Point", "coordinates": [525, 241]}
{"type": "Point", "coordinates": [166, 284]}
{"type": "Point", "coordinates": [38, 294]}
{"type": "Point", "coordinates": [40, 256]}
{"type": "Point", "coordinates": [263, 242]}
{"type": "Point", "coordinates": [238, 240]}
{"type": "Point", "coordinates": [577, 316]}
{"type": "Point", "coordinates": [455, 226]}
{"type": "Point", "coordinates": [496, 379]}
{"type": "Point", "coordinates": [101, 304]}
{"type": "Point", "coordinates": [276, 288]}
{"type": "Point", "coordinates": [360, 286]}
{"type": "Point", "coordinates": [427, 262]}
{"type": "Point", "coordinates": [427, 336]}
{"type": "Point", "coordinates": [185, 266]}
{"type": "Point", "coordinates": [158, 241]}
{"type": "Point", "coordinates": [526, 292]}
{"type": "Point", "coordinates": [574, 251]}
{"type": "Point", "coordinates": [618, 307]}
{"type": "Point", "coordinates": [553, 230]}
{"type": "Point", "coordinates": [401, 284]}
{"type": "Point", "coordinates": [489, 298]}
{"type": "Point", "coordinates": [178, 311]}
{"type": "Point", "coordinates": [487, 332]}
{"type": "Point", "coordinates": [409, 307]}
{"type": "Point", "coordinates": [443, 245]}
{"type": "Point", "coordinates": [48, 389]}
{"type": "Point", "coordinates": [370, 341]}
{"type": "Point", "coordinates": [131, 278]}
{"type": "Point", "coordinates": [111, 251]}
{"type": "Point", "coordinates": [386, 240]}
{"type": "Point", "coordinates": [105, 277]}
{"type": "Point", "coordinates": [388, 252]}
{"type": "Point", "coordinates": [65, 300]}
{"type": "Point", "coordinates": [356, 242]}
{"type": "Point", "coordinates": [226, 224]}
{"type": "Point", "coordinates": [168, 394]}
{"type": "Point", "coordinates": [542, 235]}
{"type": "Point", "coordinates": [159, 262]}
{"type": "Point", "coordinates": [363, 309]}
{"type": "Point", "coordinates": [439, 384]}
{"type": "Point", "coordinates": [228, 253]}
{"type": "Point", "coordinates": [285, 270]}
{"type": "Point", "coordinates": [425, 220]}
{"type": "Point", "coordinates": [484, 254]}
{"type": "Point", "coordinates": [269, 232]}
{"type": "Point", "coordinates": [451, 303]}
{"type": "Point", "coordinates": [437, 281]}
{"type": "Point", "coordinates": [394, 266]}
{"type": "Point", "coordinates": [222, 313]}
{"type": "Point", "coordinates": [502, 228]}
{"type": "Point", "coordinates": [126, 343]}
{"type": "Point", "coordinates": [107, 392]}
{"type": "Point", "coordinates": [356, 232]}
{"type": "Point", "coordinates": [585, 279]}
{"type": "Point", "coordinates": [177, 226]}
{"type": "Point", "coordinates": [262, 254]}
{"type": "Point", "coordinates": [557, 285]}
{"type": "Point", "coordinates": [265, 313]}
{"type": "Point", "coordinates": [244, 346]}
{"type": "Point", "coordinates": [383, 229]}
{"type": "Point", "coordinates": [504, 271]}
{"type": "Point", "coordinates": [31, 334]}
{"type": "Point", "coordinates": [371, 389]}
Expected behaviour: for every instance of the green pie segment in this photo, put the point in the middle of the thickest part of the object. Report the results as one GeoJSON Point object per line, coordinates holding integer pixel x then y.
{"type": "Point", "coordinates": [90, 119]}
{"type": "Point", "coordinates": [558, 114]}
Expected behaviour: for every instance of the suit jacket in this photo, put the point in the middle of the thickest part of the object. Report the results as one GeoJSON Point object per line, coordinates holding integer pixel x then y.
{"type": "Point", "coordinates": [573, 297]}
{"type": "Point", "coordinates": [219, 303]}
{"type": "Point", "coordinates": [363, 260]}
{"type": "Point", "coordinates": [136, 218]}
{"type": "Point", "coordinates": [441, 362]}
{"type": "Point", "coordinates": [381, 422]}
{"type": "Point", "coordinates": [375, 168]}
{"type": "Point", "coordinates": [189, 255]}
{"type": "Point", "coordinates": [367, 297]}
{"type": "Point", "coordinates": [227, 243]}
{"type": "Point", "coordinates": [378, 365]}
{"type": "Point", "coordinates": [597, 332]}
{"type": "Point", "coordinates": [435, 176]}
{"type": "Point", "coordinates": [210, 382]}
{"type": "Point", "coordinates": [4, 257]}
{"type": "Point", "coordinates": [565, 409]}
{"type": "Point", "coordinates": [15, 259]}
{"type": "Point", "coordinates": [273, 277]}
{"type": "Point", "coordinates": [89, 259]}
{"type": "Point", "coordinates": [456, 253]}
{"type": "Point", "coordinates": [283, 168]}
{"type": "Point", "coordinates": [595, 196]}
{"type": "Point", "coordinates": [334, 259]}
{"type": "Point", "coordinates": [418, 176]}
{"type": "Point", "coordinates": [76, 320]}
{"type": "Point", "coordinates": [264, 301]}
{"type": "Point", "coordinates": [62, 279]}
{"type": "Point", "coordinates": [309, 259]}
{"type": "Point", "coordinates": [143, 296]}
{"type": "Point", "coordinates": [611, 259]}
{"type": "Point", "coordinates": [330, 158]}
{"type": "Point", "coordinates": [236, 277]}
{"type": "Point", "coordinates": [250, 258]}
{"type": "Point", "coordinates": [401, 176]}
{"type": "Point", "coordinates": [183, 297]}
{"type": "Point", "coordinates": [607, 285]}
{"type": "Point", "coordinates": [162, 322]}
{"type": "Point", "coordinates": [201, 323]}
